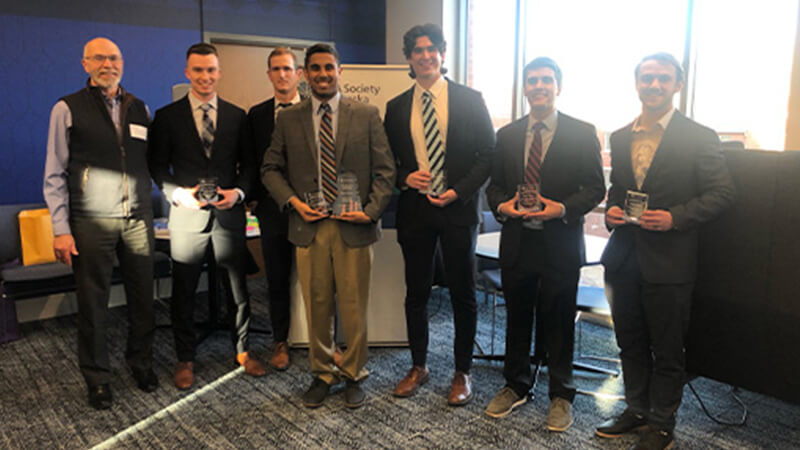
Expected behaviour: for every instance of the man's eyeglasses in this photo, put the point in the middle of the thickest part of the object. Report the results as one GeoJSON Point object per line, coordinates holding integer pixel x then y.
{"type": "Point", "coordinates": [533, 81]}
{"type": "Point", "coordinates": [103, 58]}
{"type": "Point", "coordinates": [648, 78]}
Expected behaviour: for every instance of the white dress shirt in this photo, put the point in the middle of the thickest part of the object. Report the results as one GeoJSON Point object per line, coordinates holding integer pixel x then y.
{"type": "Point", "coordinates": [439, 93]}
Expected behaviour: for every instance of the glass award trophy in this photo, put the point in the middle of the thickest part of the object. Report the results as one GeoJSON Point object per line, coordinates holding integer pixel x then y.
{"type": "Point", "coordinates": [347, 198]}
{"type": "Point", "coordinates": [635, 205]}
{"type": "Point", "coordinates": [528, 198]}
{"type": "Point", "coordinates": [316, 200]}
{"type": "Point", "coordinates": [207, 189]}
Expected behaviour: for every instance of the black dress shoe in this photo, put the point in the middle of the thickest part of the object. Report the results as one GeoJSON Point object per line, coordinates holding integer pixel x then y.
{"type": "Point", "coordinates": [655, 440]}
{"type": "Point", "coordinates": [100, 396]}
{"type": "Point", "coordinates": [353, 394]}
{"type": "Point", "coordinates": [146, 381]}
{"type": "Point", "coordinates": [626, 422]}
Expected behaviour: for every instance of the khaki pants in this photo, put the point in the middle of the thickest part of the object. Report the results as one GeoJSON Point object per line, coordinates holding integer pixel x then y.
{"type": "Point", "coordinates": [334, 275]}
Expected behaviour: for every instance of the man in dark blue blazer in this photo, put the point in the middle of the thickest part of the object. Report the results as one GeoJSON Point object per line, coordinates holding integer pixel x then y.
{"type": "Point", "coordinates": [541, 252]}
{"type": "Point", "coordinates": [203, 136]}
{"type": "Point", "coordinates": [284, 75]}
{"type": "Point", "coordinates": [442, 138]}
{"type": "Point", "coordinates": [651, 264]}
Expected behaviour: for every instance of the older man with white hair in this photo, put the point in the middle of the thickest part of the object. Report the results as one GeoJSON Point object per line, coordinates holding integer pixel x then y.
{"type": "Point", "coordinates": [97, 187]}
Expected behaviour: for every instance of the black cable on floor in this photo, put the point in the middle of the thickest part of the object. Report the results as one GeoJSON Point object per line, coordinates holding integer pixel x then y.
{"type": "Point", "coordinates": [734, 390]}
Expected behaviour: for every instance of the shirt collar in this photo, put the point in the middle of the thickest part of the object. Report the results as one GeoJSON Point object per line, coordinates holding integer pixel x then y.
{"type": "Point", "coordinates": [435, 90]}
{"type": "Point", "coordinates": [295, 100]}
{"type": "Point", "coordinates": [334, 102]}
{"type": "Point", "coordinates": [196, 102]}
{"type": "Point", "coordinates": [663, 122]}
{"type": "Point", "coordinates": [117, 98]}
{"type": "Point", "coordinates": [549, 121]}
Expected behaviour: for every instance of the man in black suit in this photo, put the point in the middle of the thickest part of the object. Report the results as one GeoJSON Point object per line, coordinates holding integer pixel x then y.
{"type": "Point", "coordinates": [284, 74]}
{"type": "Point", "coordinates": [442, 138]}
{"type": "Point", "coordinates": [203, 136]}
{"type": "Point", "coordinates": [651, 263]}
{"type": "Point", "coordinates": [541, 252]}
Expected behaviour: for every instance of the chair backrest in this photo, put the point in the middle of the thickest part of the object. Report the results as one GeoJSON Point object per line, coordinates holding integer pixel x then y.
{"type": "Point", "coordinates": [488, 222]}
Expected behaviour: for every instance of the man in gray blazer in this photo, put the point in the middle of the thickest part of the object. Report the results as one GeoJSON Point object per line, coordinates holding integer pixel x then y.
{"type": "Point", "coordinates": [313, 141]}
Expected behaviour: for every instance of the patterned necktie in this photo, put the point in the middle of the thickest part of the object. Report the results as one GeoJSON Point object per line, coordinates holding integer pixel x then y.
{"type": "Point", "coordinates": [433, 142]}
{"type": "Point", "coordinates": [327, 154]}
{"type": "Point", "coordinates": [207, 136]}
{"type": "Point", "coordinates": [534, 164]}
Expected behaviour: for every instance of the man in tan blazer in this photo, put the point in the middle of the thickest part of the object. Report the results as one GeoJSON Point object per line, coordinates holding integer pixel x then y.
{"type": "Point", "coordinates": [313, 142]}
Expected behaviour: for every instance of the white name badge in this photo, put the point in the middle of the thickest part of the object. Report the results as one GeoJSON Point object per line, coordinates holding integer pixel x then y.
{"type": "Point", "coordinates": [138, 132]}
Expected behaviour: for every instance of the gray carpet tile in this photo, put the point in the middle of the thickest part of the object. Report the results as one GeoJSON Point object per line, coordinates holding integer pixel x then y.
{"type": "Point", "coordinates": [44, 399]}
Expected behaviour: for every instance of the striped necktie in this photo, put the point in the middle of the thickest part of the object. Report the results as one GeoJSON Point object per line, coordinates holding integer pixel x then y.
{"type": "Point", "coordinates": [534, 164]}
{"type": "Point", "coordinates": [207, 136]}
{"type": "Point", "coordinates": [433, 142]}
{"type": "Point", "coordinates": [327, 154]}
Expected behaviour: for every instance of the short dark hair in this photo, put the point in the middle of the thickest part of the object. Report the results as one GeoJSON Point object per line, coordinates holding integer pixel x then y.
{"type": "Point", "coordinates": [321, 48]}
{"type": "Point", "coordinates": [664, 58]}
{"type": "Point", "coordinates": [540, 62]}
{"type": "Point", "coordinates": [202, 48]}
{"type": "Point", "coordinates": [281, 51]}
{"type": "Point", "coordinates": [433, 32]}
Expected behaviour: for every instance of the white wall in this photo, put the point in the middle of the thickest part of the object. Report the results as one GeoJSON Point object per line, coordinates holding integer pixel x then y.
{"type": "Point", "coordinates": [404, 14]}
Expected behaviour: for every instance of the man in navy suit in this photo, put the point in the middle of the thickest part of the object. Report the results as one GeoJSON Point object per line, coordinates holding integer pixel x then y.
{"type": "Point", "coordinates": [203, 136]}
{"type": "Point", "coordinates": [651, 264]}
{"type": "Point", "coordinates": [442, 138]}
{"type": "Point", "coordinates": [284, 75]}
{"type": "Point", "coordinates": [541, 252]}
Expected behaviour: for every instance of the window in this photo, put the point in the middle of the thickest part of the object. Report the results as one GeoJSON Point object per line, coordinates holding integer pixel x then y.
{"type": "Point", "coordinates": [740, 53]}
{"type": "Point", "coordinates": [597, 45]}
{"type": "Point", "coordinates": [492, 54]}
{"type": "Point", "coordinates": [742, 69]}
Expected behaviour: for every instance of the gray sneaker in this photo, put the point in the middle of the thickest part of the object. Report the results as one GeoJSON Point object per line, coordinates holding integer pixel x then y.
{"type": "Point", "coordinates": [316, 393]}
{"type": "Point", "coordinates": [504, 402]}
{"type": "Point", "coordinates": [560, 416]}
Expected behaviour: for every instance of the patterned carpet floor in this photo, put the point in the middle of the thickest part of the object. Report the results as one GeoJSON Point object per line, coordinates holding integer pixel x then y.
{"type": "Point", "coordinates": [44, 400]}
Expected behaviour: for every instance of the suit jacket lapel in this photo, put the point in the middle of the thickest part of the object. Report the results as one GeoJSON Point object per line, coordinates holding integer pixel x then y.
{"type": "Point", "coordinates": [671, 134]}
{"type": "Point", "coordinates": [222, 115]}
{"type": "Point", "coordinates": [453, 113]}
{"type": "Point", "coordinates": [308, 128]}
{"type": "Point", "coordinates": [562, 129]}
{"type": "Point", "coordinates": [518, 151]}
{"type": "Point", "coordinates": [191, 127]}
{"type": "Point", "coordinates": [342, 126]}
{"type": "Point", "coordinates": [626, 165]}
{"type": "Point", "coordinates": [404, 117]}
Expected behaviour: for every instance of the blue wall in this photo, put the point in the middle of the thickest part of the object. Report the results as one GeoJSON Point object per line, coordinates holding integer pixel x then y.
{"type": "Point", "coordinates": [42, 42]}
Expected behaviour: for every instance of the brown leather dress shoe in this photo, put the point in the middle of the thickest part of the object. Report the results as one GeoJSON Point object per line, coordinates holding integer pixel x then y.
{"type": "Point", "coordinates": [280, 356]}
{"type": "Point", "coordinates": [461, 390]}
{"type": "Point", "coordinates": [252, 366]}
{"type": "Point", "coordinates": [184, 375]}
{"type": "Point", "coordinates": [416, 377]}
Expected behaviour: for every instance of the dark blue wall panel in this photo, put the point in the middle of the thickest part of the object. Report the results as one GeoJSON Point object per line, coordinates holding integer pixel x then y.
{"type": "Point", "coordinates": [41, 42]}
